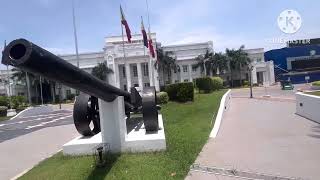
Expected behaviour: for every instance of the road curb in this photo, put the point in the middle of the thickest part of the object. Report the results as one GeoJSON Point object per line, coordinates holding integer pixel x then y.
{"type": "Point", "coordinates": [224, 104]}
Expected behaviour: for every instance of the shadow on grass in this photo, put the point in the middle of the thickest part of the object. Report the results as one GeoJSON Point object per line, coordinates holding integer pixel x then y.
{"type": "Point", "coordinates": [99, 173]}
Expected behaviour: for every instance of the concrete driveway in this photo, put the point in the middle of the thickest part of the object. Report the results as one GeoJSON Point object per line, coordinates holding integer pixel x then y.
{"type": "Point", "coordinates": [261, 136]}
{"type": "Point", "coordinates": [25, 141]}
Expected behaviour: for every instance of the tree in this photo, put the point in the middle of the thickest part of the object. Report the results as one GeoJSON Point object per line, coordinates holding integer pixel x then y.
{"type": "Point", "coordinates": [165, 61]}
{"type": "Point", "coordinates": [211, 63]}
{"type": "Point", "coordinates": [237, 59]}
{"type": "Point", "coordinates": [101, 71]}
{"type": "Point", "coordinates": [203, 63]}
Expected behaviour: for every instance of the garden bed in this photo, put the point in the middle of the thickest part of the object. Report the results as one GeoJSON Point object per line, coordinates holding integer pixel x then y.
{"type": "Point", "coordinates": [187, 128]}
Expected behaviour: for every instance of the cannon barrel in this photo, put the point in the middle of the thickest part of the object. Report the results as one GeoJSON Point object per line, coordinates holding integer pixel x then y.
{"type": "Point", "coordinates": [29, 57]}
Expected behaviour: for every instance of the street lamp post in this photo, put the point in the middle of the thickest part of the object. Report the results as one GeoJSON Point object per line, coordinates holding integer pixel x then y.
{"type": "Point", "coordinates": [59, 88]}
{"type": "Point", "coordinates": [250, 68]}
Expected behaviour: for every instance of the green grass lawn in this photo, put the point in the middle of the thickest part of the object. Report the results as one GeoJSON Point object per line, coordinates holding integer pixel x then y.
{"type": "Point", "coordinates": [316, 93]}
{"type": "Point", "coordinates": [187, 127]}
{"type": "Point", "coordinates": [4, 118]}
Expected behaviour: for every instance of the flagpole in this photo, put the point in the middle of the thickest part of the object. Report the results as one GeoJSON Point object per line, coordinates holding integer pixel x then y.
{"type": "Point", "coordinates": [75, 33]}
{"type": "Point", "coordinates": [150, 59]}
{"type": "Point", "coordinates": [124, 53]}
{"type": "Point", "coordinates": [75, 38]}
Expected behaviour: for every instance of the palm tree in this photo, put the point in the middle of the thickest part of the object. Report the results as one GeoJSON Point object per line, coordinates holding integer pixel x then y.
{"type": "Point", "coordinates": [165, 62]}
{"type": "Point", "coordinates": [101, 71]}
{"type": "Point", "coordinates": [203, 63]}
{"type": "Point", "coordinates": [237, 59]}
{"type": "Point", "coordinates": [211, 63]}
{"type": "Point", "coordinates": [23, 76]}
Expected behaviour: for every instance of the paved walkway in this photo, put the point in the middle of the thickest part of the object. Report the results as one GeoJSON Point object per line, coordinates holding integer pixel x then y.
{"type": "Point", "coordinates": [263, 136]}
{"type": "Point", "coordinates": [26, 141]}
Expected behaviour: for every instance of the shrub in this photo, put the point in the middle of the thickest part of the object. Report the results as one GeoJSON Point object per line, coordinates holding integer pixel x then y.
{"type": "Point", "coordinates": [3, 111]}
{"type": "Point", "coordinates": [181, 92]}
{"type": "Point", "coordinates": [204, 84]}
{"type": "Point", "coordinates": [316, 83]}
{"type": "Point", "coordinates": [18, 101]}
{"type": "Point", "coordinates": [71, 97]}
{"type": "Point", "coordinates": [162, 98]}
{"type": "Point", "coordinates": [208, 84]}
{"type": "Point", "coordinates": [4, 101]}
{"type": "Point", "coordinates": [245, 83]}
{"type": "Point", "coordinates": [217, 83]}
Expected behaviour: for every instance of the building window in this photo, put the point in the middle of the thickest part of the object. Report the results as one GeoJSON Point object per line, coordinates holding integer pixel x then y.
{"type": "Point", "coordinates": [167, 82]}
{"type": "Point", "coordinates": [194, 68]}
{"type": "Point", "coordinates": [68, 92]}
{"type": "Point", "coordinates": [125, 87]}
{"type": "Point", "coordinates": [123, 71]}
{"type": "Point", "coordinates": [136, 85]}
{"type": "Point", "coordinates": [176, 81]}
{"type": "Point", "coordinates": [146, 84]}
{"type": "Point", "coordinates": [186, 80]}
{"type": "Point", "coordinates": [185, 68]}
{"type": "Point", "coordinates": [145, 69]}
{"type": "Point", "coordinates": [258, 59]}
{"type": "Point", "coordinates": [135, 71]}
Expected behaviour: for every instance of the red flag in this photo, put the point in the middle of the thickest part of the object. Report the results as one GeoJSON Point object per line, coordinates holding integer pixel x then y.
{"type": "Point", "coordinates": [125, 23]}
{"type": "Point", "coordinates": [151, 49]}
{"type": "Point", "coordinates": [144, 34]}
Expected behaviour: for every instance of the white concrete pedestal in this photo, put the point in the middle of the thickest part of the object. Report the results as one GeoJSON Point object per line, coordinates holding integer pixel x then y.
{"type": "Point", "coordinates": [82, 145]}
{"type": "Point", "coordinates": [114, 132]}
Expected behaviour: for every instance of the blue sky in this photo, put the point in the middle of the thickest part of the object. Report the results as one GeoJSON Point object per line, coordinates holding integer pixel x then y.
{"type": "Point", "coordinates": [228, 23]}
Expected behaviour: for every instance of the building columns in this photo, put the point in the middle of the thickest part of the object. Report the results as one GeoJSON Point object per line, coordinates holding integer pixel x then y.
{"type": "Point", "coordinates": [190, 72]}
{"type": "Point", "coordinates": [181, 73]}
{"type": "Point", "coordinates": [128, 76]}
{"type": "Point", "coordinates": [140, 76]}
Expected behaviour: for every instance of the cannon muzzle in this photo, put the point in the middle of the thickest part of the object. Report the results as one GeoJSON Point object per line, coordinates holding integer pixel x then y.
{"type": "Point", "coordinates": [27, 56]}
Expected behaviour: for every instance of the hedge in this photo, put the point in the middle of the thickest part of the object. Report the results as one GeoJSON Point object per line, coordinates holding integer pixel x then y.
{"type": "Point", "coordinates": [316, 83]}
{"type": "Point", "coordinates": [4, 101]}
{"type": "Point", "coordinates": [162, 98]}
{"type": "Point", "coordinates": [217, 83]}
{"type": "Point", "coordinates": [181, 92]}
{"type": "Point", "coordinates": [3, 111]}
{"type": "Point", "coordinates": [209, 84]}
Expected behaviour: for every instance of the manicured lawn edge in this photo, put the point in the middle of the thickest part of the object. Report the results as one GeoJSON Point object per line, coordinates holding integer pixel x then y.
{"type": "Point", "coordinates": [187, 128]}
{"type": "Point", "coordinates": [315, 93]}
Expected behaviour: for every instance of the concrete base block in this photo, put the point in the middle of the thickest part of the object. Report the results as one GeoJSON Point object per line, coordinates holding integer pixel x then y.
{"type": "Point", "coordinates": [11, 112]}
{"type": "Point", "coordinates": [137, 140]}
{"type": "Point", "coordinates": [82, 145]}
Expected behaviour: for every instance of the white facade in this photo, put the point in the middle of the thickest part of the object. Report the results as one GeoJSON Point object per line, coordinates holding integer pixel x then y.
{"type": "Point", "coordinates": [262, 72]}
{"type": "Point", "coordinates": [185, 55]}
{"type": "Point", "coordinates": [136, 68]}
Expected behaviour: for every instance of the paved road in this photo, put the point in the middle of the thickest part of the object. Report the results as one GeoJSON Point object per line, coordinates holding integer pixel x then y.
{"type": "Point", "coordinates": [25, 141]}
{"type": "Point", "coordinates": [28, 124]}
{"type": "Point", "coordinates": [263, 137]}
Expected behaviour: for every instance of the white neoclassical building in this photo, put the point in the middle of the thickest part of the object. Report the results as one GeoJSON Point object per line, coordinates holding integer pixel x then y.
{"type": "Point", "coordinates": [133, 67]}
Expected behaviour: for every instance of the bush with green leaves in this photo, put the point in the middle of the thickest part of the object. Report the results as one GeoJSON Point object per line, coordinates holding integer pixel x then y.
{"type": "Point", "coordinates": [245, 83]}
{"type": "Point", "coordinates": [3, 111]}
{"type": "Point", "coordinates": [209, 84]}
{"type": "Point", "coordinates": [18, 101]}
{"type": "Point", "coordinates": [4, 101]}
{"type": "Point", "coordinates": [316, 83]}
{"type": "Point", "coordinates": [217, 83]}
{"type": "Point", "coordinates": [162, 98]}
{"type": "Point", "coordinates": [71, 97]}
{"type": "Point", "coordinates": [181, 92]}
{"type": "Point", "coordinates": [204, 84]}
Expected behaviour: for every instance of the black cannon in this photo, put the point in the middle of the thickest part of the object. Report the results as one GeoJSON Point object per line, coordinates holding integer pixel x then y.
{"type": "Point", "coordinates": [29, 57]}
